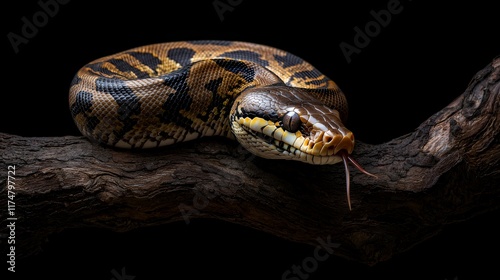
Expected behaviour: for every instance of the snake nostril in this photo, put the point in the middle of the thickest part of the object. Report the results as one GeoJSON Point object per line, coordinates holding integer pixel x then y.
{"type": "Point", "coordinates": [328, 139]}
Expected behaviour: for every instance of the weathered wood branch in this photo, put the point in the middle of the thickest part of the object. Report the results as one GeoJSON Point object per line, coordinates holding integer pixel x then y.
{"type": "Point", "coordinates": [444, 172]}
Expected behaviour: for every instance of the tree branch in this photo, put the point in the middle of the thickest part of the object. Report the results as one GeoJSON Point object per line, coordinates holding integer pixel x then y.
{"type": "Point", "coordinates": [444, 172]}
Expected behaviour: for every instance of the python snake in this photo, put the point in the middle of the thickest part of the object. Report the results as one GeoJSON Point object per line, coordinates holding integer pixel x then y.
{"type": "Point", "coordinates": [275, 104]}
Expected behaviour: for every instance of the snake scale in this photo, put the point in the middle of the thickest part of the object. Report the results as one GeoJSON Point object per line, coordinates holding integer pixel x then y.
{"type": "Point", "coordinates": [275, 104]}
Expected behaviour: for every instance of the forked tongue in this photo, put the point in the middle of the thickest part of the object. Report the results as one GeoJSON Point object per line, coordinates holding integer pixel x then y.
{"type": "Point", "coordinates": [345, 158]}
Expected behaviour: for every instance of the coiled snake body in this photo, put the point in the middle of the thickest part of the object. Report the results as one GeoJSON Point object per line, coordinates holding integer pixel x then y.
{"type": "Point", "coordinates": [275, 104]}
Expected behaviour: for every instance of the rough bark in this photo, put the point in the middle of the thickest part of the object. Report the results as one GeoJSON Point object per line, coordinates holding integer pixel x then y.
{"type": "Point", "coordinates": [446, 171]}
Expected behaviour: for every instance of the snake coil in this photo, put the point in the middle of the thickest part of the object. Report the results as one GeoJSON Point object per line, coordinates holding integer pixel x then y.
{"type": "Point", "coordinates": [275, 104]}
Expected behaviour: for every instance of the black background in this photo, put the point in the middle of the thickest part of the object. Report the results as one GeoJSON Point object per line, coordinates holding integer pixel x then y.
{"type": "Point", "coordinates": [417, 64]}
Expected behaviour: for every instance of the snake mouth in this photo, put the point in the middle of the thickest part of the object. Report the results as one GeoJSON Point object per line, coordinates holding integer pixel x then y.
{"type": "Point", "coordinates": [313, 144]}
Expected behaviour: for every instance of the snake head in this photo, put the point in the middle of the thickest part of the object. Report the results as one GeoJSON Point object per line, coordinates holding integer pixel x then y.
{"type": "Point", "coordinates": [280, 122]}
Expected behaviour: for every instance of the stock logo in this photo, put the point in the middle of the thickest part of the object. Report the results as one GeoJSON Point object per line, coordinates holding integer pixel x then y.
{"type": "Point", "coordinates": [222, 6]}
{"type": "Point", "coordinates": [31, 26]}
{"type": "Point", "coordinates": [363, 37]}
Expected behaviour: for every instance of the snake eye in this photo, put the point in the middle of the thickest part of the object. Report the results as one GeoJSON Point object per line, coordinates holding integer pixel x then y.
{"type": "Point", "coordinates": [291, 121]}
